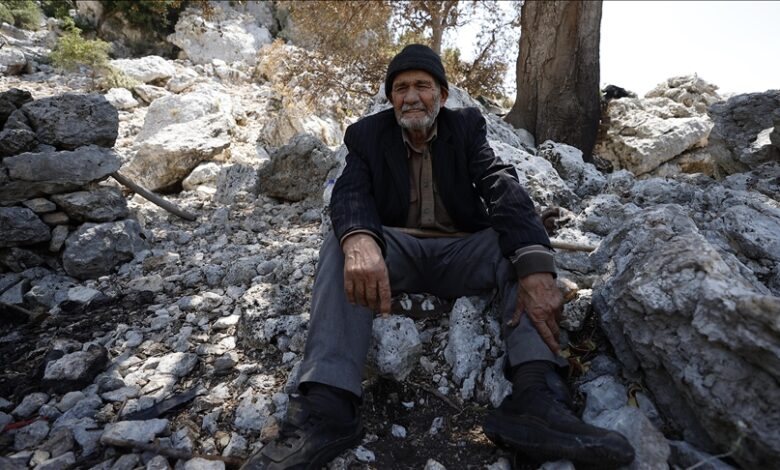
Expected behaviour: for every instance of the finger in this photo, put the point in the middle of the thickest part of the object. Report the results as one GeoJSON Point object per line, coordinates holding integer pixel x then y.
{"type": "Point", "coordinates": [384, 294]}
{"type": "Point", "coordinates": [372, 295]}
{"type": "Point", "coordinates": [547, 336]}
{"type": "Point", "coordinates": [360, 292]}
{"type": "Point", "coordinates": [519, 309]}
{"type": "Point", "coordinates": [349, 289]}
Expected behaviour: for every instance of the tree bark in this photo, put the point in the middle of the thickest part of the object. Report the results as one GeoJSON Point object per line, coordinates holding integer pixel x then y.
{"type": "Point", "coordinates": [558, 94]}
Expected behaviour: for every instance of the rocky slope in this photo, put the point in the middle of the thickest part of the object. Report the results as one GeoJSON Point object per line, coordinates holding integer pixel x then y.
{"type": "Point", "coordinates": [191, 347]}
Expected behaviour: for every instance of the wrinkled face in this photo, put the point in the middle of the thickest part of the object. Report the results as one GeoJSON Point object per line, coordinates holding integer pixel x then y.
{"type": "Point", "coordinates": [417, 98]}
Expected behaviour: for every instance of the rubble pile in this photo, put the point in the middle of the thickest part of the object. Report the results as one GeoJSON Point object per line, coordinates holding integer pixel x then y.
{"type": "Point", "coordinates": [55, 212]}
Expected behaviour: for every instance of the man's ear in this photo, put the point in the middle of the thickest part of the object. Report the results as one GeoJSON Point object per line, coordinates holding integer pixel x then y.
{"type": "Point", "coordinates": [444, 94]}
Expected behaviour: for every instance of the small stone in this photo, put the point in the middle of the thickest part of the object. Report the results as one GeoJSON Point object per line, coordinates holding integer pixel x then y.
{"type": "Point", "coordinates": [55, 218]}
{"type": "Point", "coordinates": [75, 370]}
{"type": "Point", "coordinates": [30, 404]}
{"type": "Point", "coordinates": [224, 323]}
{"type": "Point", "coordinates": [236, 447]}
{"type": "Point", "coordinates": [62, 462]}
{"type": "Point", "coordinates": [69, 400]}
{"type": "Point", "coordinates": [209, 424]}
{"type": "Point", "coordinates": [59, 442]}
{"type": "Point", "coordinates": [126, 462]}
{"type": "Point", "coordinates": [203, 464]}
{"type": "Point", "coordinates": [364, 455]}
{"type": "Point", "coordinates": [224, 363]}
{"type": "Point", "coordinates": [142, 431]}
{"type": "Point", "coordinates": [40, 205]}
{"type": "Point", "coordinates": [38, 457]}
{"type": "Point", "coordinates": [153, 283]}
{"type": "Point", "coordinates": [398, 431]}
{"type": "Point", "coordinates": [502, 463]}
{"type": "Point", "coordinates": [434, 465]}
{"type": "Point", "coordinates": [177, 364]}
{"type": "Point", "coordinates": [82, 294]}
{"type": "Point", "coordinates": [133, 338]}
{"type": "Point", "coordinates": [436, 426]}
{"type": "Point", "coordinates": [31, 435]}
{"type": "Point", "coordinates": [158, 463]}
{"type": "Point", "coordinates": [49, 412]}
{"type": "Point", "coordinates": [121, 394]}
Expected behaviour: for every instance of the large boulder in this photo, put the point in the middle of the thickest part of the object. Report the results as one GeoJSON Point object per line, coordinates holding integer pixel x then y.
{"type": "Point", "coordinates": [20, 226]}
{"type": "Point", "coordinates": [229, 34]}
{"type": "Point", "coordinates": [741, 136]}
{"type": "Point", "coordinates": [96, 249]}
{"type": "Point", "coordinates": [643, 133]}
{"type": "Point", "coordinates": [583, 178]}
{"type": "Point", "coordinates": [145, 69]}
{"type": "Point", "coordinates": [688, 90]}
{"type": "Point", "coordinates": [12, 61]}
{"type": "Point", "coordinates": [10, 101]}
{"type": "Point", "coordinates": [537, 176]}
{"type": "Point", "coordinates": [73, 120]}
{"type": "Point", "coordinates": [51, 172]}
{"type": "Point", "coordinates": [698, 325]}
{"type": "Point", "coordinates": [179, 132]}
{"type": "Point", "coordinates": [103, 204]}
{"type": "Point", "coordinates": [297, 170]}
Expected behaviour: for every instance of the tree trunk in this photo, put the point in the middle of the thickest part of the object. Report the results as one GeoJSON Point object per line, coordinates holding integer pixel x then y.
{"type": "Point", "coordinates": [558, 73]}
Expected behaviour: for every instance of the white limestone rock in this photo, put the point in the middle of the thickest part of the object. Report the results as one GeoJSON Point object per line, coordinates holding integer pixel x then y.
{"type": "Point", "coordinates": [650, 446]}
{"type": "Point", "coordinates": [121, 98]}
{"type": "Point", "coordinates": [179, 132]}
{"type": "Point", "coordinates": [141, 431]}
{"type": "Point", "coordinates": [228, 34]}
{"type": "Point", "coordinates": [537, 176]}
{"type": "Point", "coordinates": [396, 347]}
{"type": "Point", "coordinates": [644, 133]}
{"type": "Point", "coordinates": [145, 69]}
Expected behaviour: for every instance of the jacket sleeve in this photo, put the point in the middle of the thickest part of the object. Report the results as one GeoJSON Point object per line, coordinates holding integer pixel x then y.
{"type": "Point", "coordinates": [510, 209]}
{"type": "Point", "coordinates": [352, 205]}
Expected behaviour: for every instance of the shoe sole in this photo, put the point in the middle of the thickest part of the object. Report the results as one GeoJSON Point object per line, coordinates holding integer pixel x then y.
{"type": "Point", "coordinates": [330, 453]}
{"type": "Point", "coordinates": [531, 436]}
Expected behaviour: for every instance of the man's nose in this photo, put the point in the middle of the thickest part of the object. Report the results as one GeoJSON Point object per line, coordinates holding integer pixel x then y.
{"type": "Point", "coordinates": [411, 96]}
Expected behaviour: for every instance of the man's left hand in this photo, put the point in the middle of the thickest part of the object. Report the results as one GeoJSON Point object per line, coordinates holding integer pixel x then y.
{"type": "Point", "coordinates": [538, 296]}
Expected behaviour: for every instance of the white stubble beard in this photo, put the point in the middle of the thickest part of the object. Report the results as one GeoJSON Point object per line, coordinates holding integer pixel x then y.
{"type": "Point", "coordinates": [419, 123]}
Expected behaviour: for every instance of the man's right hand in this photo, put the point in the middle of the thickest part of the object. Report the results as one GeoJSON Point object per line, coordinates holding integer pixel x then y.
{"type": "Point", "coordinates": [366, 281]}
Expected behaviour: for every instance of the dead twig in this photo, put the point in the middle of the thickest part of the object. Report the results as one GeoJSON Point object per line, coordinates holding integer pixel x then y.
{"type": "Point", "coordinates": [167, 205]}
{"type": "Point", "coordinates": [230, 462]}
{"type": "Point", "coordinates": [438, 395]}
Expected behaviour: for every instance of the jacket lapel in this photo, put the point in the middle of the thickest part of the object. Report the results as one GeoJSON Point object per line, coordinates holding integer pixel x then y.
{"type": "Point", "coordinates": [444, 161]}
{"type": "Point", "coordinates": [396, 157]}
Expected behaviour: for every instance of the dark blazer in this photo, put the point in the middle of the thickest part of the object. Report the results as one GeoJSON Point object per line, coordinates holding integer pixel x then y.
{"type": "Point", "coordinates": [478, 190]}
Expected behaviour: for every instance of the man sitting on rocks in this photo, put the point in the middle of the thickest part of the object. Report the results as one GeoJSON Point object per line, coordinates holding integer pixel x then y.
{"type": "Point", "coordinates": [424, 167]}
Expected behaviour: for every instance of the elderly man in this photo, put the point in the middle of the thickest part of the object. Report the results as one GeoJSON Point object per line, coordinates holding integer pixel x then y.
{"type": "Point", "coordinates": [426, 167]}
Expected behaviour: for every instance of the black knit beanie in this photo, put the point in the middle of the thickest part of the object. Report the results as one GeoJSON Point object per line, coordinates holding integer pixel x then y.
{"type": "Point", "coordinates": [415, 57]}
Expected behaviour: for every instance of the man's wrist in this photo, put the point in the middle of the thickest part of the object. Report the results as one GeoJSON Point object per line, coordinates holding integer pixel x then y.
{"type": "Point", "coordinates": [533, 259]}
{"type": "Point", "coordinates": [358, 232]}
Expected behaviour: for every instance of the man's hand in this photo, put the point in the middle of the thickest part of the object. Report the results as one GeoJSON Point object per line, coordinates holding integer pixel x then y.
{"type": "Point", "coordinates": [538, 296]}
{"type": "Point", "coordinates": [366, 281]}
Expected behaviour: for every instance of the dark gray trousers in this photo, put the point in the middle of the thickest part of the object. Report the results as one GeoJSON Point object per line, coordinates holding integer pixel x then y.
{"type": "Point", "coordinates": [340, 333]}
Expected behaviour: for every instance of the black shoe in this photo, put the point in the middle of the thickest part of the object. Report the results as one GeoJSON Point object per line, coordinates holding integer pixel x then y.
{"type": "Point", "coordinates": [541, 424]}
{"type": "Point", "coordinates": [307, 441]}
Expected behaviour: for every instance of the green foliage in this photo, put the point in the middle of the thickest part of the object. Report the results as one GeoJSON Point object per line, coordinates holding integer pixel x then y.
{"type": "Point", "coordinates": [73, 51]}
{"type": "Point", "coordinates": [153, 15]}
{"type": "Point", "coordinates": [5, 15]}
{"type": "Point", "coordinates": [114, 78]}
{"type": "Point", "coordinates": [57, 8]}
{"type": "Point", "coordinates": [23, 13]}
